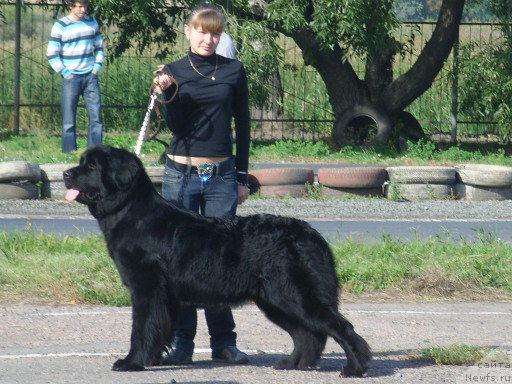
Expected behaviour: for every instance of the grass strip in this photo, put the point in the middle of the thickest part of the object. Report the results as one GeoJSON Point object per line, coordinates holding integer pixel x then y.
{"type": "Point", "coordinates": [36, 266]}
{"type": "Point", "coordinates": [455, 354]}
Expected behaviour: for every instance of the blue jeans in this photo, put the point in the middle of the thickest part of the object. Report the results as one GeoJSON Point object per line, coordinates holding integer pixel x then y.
{"type": "Point", "coordinates": [88, 86]}
{"type": "Point", "coordinates": [215, 198]}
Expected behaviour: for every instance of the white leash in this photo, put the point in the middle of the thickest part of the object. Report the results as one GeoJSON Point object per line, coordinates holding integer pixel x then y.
{"type": "Point", "coordinates": [143, 129]}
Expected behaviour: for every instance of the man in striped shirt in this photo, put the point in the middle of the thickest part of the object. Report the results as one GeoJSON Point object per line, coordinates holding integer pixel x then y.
{"type": "Point", "coordinates": [75, 51]}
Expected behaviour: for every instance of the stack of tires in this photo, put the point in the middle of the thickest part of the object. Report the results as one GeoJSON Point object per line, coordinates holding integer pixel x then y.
{"type": "Point", "coordinates": [480, 182]}
{"type": "Point", "coordinates": [358, 181]}
{"type": "Point", "coordinates": [156, 174]}
{"type": "Point", "coordinates": [52, 180]}
{"type": "Point", "coordinates": [18, 180]}
{"type": "Point", "coordinates": [420, 183]}
{"type": "Point", "coordinates": [281, 182]}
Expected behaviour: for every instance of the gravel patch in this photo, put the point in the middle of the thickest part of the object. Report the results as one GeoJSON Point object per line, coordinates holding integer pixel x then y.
{"type": "Point", "coordinates": [367, 209]}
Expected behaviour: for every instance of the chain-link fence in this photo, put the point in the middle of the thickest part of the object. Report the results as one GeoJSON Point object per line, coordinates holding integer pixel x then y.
{"type": "Point", "coordinates": [303, 110]}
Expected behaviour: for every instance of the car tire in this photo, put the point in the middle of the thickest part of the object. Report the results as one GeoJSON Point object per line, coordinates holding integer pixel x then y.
{"type": "Point", "coordinates": [339, 192]}
{"type": "Point", "coordinates": [422, 175]}
{"type": "Point", "coordinates": [290, 190]}
{"type": "Point", "coordinates": [283, 176]}
{"type": "Point", "coordinates": [352, 177]}
{"type": "Point", "coordinates": [417, 192]}
{"type": "Point", "coordinates": [477, 193]}
{"type": "Point", "coordinates": [19, 170]}
{"type": "Point", "coordinates": [485, 175]}
{"type": "Point", "coordinates": [24, 190]}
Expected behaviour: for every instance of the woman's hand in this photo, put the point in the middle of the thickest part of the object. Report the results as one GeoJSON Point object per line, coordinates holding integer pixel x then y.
{"type": "Point", "coordinates": [162, 80]}
{"type": "Point", "coordinates": [243, 193]}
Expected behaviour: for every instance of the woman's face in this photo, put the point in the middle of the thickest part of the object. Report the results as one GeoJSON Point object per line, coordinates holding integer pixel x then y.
{"type": "Point", "coordinates": [202, 42]}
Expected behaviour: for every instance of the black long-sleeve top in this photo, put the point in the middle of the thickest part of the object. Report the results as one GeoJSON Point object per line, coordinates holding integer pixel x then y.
{"type": "Point", "coordinates": [200, 115]}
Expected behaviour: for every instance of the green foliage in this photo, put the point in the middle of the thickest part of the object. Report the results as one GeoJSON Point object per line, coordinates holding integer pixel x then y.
{"type": "Point", "coordinates": [360, 25]}
{"type": "Point", "coordinates": [44, 148]}
{"type": "Point", "coordinates": [410, 10]}
{"type": "Point", "coordinates": [141, 24]}
{"type": "Point", "coordinates": [314, 191]}
{"type": "Point", "coordinates": [288, 15]}
{"type": "Point", "coordinates": [282, 149]}
{"type": "Point", "coordinates": [259, 52]}
{"type": "Point", "coordinates": [455, 354]}
{"type": "Point", "coordinates": [423, 149]}
{"type": "Point", "coordinates": [486, 85]}
{"type": "Point", "coordinates": [395, 192]}
{"type": "Point", "coordinates": [503, 11]}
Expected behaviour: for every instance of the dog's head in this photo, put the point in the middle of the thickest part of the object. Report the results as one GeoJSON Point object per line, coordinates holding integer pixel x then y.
{"type": "Point", "coordinates": [103, 177]}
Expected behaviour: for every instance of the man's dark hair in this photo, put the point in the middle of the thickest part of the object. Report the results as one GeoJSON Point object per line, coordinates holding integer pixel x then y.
{"type": "Point", "coordinates": [71, 3]}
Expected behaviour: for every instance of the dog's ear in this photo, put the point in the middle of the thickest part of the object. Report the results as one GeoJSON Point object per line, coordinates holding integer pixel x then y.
{"type": "Point", "coordinates": [125, 168]}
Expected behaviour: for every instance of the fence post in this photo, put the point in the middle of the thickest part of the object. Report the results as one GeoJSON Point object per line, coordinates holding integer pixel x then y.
{"type": "Point", "coordinates": [455, 89]}
{"type": "Point", "coordinates": [17, 38]}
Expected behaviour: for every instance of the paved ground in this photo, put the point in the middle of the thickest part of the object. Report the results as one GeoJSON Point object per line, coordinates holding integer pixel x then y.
{"type": "Point", "coordinates": [78, 344]}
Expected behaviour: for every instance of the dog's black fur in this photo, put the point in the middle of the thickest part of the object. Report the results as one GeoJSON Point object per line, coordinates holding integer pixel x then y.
{"type": "Point", "coordinates": [166, 255]}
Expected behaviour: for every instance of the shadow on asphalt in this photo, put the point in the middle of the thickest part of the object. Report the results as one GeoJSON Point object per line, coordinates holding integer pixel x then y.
{"type": "Point", "coordinates": [383, 363]}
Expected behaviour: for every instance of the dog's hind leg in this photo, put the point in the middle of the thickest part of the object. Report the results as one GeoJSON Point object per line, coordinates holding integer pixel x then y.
{"type": "Point", "coordinates": [313, 344]}
{"type": "Point", "coordinates": [307, 346]}
{"type": "Point", "coordinates": [318, 319]}
{"type": "Point", "coordinates": [357, 350]}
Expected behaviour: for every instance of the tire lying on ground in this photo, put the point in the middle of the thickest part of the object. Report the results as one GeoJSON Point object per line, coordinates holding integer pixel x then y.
{"type": "Point", "coordinates": [352, 177]}
{"type": "Point", "coordinates": [414, 192]}
{"type": "Point", "coordinates": [24, 190]}
{"type": "Point", "coordinates": [53, 171]}
{"type": "Point", "coordinates": [19, 170]}
{"type": "Point", "coordinates": [477, 193]}
{"type": "Point", "coordinates": [55, 190]}
{"type": "Point", "coordinates": [290, 190]}
{"type": "Point", "coordinates": [155, 173]}
{"type": "Point", "coordinates": [485, 175]}
{"type": "Point", "coordinates": [422, 175]}
{"type": "Point", "coordinates": [52, 186]}
{"type": "Point", "coordinates": [339, 192]}
{"type": "Point", "coordinates": [283, 176]}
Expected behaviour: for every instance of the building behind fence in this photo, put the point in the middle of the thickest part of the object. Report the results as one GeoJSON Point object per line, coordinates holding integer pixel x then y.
{"type": "Point", "coordinates": [305, 111]}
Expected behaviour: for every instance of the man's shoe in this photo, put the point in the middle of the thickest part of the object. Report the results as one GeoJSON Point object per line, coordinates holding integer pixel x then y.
{"type": "Point", "coordinates": [175, 356]}
{"type": "Point", "coordinates": [230, 355]}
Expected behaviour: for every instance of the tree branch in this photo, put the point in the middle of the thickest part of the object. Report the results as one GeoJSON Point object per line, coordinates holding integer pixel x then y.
{"type": "Point", "coordinates": [338, 74]}
{"type": "Point", "coordinates": [406, 88]}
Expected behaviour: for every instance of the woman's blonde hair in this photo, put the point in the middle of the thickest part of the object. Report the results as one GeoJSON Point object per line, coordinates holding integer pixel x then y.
{"type": "Point", "coordinates": [207, 16]}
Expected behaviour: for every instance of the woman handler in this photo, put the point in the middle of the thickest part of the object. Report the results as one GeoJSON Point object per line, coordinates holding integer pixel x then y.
{"type": "Point", "coordinates": [201, 173]}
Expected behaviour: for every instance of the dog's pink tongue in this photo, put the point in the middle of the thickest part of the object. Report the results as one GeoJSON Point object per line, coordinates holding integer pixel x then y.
{"type": "Point", "coordinates": [71, 194]}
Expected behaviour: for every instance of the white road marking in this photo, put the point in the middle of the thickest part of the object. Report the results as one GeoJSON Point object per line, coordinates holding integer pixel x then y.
{"type": "Point", "coordinates": [431, 313]}
{"type": "Point", "coordinates": [255, 310]}
{"type": "Point", "coordinates": [107, 354]}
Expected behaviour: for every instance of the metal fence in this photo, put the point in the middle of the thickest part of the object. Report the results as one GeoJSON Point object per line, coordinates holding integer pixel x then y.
{"type": "Point", "coordinates": [305, 111]}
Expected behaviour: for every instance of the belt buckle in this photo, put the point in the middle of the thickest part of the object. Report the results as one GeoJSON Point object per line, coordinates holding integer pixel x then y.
{"type": "Point", "coordinates": [205, 171]}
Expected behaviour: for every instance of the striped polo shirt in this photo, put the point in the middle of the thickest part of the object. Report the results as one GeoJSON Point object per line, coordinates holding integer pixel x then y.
{"type": "Point", "coordinates": [75, 47]}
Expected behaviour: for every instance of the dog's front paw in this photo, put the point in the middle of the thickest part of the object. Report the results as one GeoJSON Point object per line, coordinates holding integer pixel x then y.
{"type": "Point", "coordinates": [285, 364]}
{"type": "Point", "coordinates": [123, 365]}
{"type": "Point", "coordinates": [350, 371]}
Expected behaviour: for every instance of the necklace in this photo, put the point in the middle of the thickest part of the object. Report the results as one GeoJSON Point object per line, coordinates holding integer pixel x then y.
{"type": "Point", "coordinates": [214, 71]}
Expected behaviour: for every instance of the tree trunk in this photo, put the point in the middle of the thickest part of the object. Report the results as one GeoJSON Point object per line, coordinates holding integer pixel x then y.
{"type": "Point", "coordinates": [378, 97]}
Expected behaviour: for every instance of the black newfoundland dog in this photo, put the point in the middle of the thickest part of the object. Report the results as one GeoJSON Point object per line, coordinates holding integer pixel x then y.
{"type": "Point", "coordinates": [166, 255]}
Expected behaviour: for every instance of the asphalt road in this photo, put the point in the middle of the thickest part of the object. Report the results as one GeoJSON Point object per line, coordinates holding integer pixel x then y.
{"type": "Point", "coordinates": [333, 229]}
{"type": "Point", "coordinates": [78, 344]}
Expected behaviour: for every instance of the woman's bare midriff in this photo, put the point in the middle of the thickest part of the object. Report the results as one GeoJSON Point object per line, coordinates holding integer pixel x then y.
{"type": "Point", "coordinates": [195, 160]}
